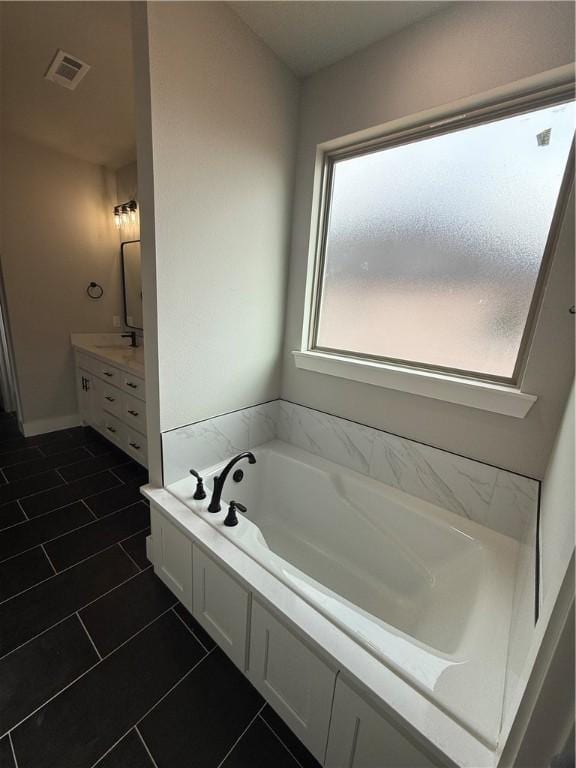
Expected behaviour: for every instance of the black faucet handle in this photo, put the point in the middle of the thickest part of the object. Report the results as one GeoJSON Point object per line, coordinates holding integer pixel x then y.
{"type": "Point", "coordinates": [199, 493]}
{"type": "Point", "coordinates": [231, 518]}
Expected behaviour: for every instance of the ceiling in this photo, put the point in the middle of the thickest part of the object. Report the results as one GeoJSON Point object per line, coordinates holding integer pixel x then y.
{"type": "Point", "coordinates": [95, 122]}
{"type": "Point", "coordinates": [308, 36]}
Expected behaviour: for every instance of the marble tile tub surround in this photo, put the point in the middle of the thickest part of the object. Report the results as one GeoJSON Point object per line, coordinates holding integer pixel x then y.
{"type": "Point", "coordinates": [501, 500]}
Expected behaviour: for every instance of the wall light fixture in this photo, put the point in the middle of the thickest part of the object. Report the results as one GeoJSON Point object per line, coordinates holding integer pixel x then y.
{"type": "Point", "coordinates": [125, 213]}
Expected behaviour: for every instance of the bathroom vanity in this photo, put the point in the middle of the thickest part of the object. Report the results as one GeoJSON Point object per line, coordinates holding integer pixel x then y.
{"type": "Point", "coordinates": [111, 391]}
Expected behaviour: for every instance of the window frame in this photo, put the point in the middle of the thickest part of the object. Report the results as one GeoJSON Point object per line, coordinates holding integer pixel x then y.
{"type": "Point", "coordinates": [450, 123]}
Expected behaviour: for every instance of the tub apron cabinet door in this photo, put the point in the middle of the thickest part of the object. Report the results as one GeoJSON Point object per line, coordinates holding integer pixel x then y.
{"type": "Point", "coordinates": [172, 557]}
{"type": "Point", "coordinates": [292, 679]}
{"type": "Point", "coordinates": [222, 607]}
{"type": "Point", "coordinates": [360, 737]}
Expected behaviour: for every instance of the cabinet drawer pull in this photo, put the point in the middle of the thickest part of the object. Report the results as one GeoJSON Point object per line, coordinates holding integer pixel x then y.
{"type": "Point", "coordinates": [131, 385]}
{"type": "Point", "coordinates": [107, 373]}
{"type": "Point", "coordinates": [111, 429]}
{"type": "Point", "coordinates": [133, 413]}
{"type": "Point", "coordinates": [135, 446]}
{"type": "Point", "coordinates": [110, 399]}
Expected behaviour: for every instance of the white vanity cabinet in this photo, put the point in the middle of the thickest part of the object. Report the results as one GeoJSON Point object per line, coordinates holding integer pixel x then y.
{"type": "Point", "coordinates": [294, 680]}
{"type": "Point", "coordinates": [361, 737]}
{"type": "Point", "coordinates": [111, 399]}
{"type": "Point", "coordinates": [222, 606]}
{"type": "Point", "coordinates": [88, 396]}
{"type": "Point", "coordinates": [172, 557]}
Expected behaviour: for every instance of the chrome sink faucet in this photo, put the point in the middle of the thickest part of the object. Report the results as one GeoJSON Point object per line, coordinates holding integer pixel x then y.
{"type": "Point", "coordinates": [219, 481]}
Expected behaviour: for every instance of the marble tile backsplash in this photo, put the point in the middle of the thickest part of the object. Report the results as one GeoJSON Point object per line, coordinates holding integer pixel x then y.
{"type": "Point", "coordinates": [501, 500]}
{"type": "Point", "coordinates": [208, 442]}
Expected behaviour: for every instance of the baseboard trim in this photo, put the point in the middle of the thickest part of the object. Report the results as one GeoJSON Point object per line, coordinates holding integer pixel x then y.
{"type": "Point", "coordinates": [39, 426]}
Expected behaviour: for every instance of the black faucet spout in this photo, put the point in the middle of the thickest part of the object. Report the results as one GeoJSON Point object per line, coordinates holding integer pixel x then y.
{"type": "Point", "coordinates": [219, 481]}
{"type": "Point", "coordinates": [133, 338]}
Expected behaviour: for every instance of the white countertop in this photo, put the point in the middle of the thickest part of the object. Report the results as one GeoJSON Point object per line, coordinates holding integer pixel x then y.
{"type": "Point", "coordinates": [111, 348]}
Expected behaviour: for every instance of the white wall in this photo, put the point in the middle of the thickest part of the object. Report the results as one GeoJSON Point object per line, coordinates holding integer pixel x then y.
{"type": "Point", "coordinates": [529, 656]}
{"type": "Point", "coordinates": [221, 127]}
{"type": "Point", "coordinates": [558, 507]}
{"type": "Point", "coordinates": [127, 182]}
{"type": "Point", "coordinates": [57, 236]}
{"type": "Point", "coordinates": [457, 55]}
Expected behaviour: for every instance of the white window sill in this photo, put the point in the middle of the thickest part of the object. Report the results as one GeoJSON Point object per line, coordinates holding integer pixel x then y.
{"type": "Point", "coordinates": [497, 398]}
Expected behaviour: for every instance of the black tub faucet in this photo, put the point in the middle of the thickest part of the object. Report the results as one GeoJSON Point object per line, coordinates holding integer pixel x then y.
{"type": "Point", "coordinates": [219, 481]}
{"type": "Point", "coordinates": [199, 493]}
{"type": "Point", "coordinates": [231, 518]}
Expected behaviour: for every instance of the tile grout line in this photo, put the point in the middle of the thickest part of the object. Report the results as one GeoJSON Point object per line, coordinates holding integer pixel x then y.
{"type": "Point", "coordinates": [176, 684]}
{"type": "Point", "coordinates": [69, 567]}
{"type": "Point", "coordinates": [119, 542]}
{"type": "Point", "coordinates": [49, 559]}
{"type": "Point", "coordinates": [137, 632]}
{"type": "Point", "coordinates": [22, 510]}
{"type": "Point", "coordinates": [81, 608]}
{"type": "Point", "coordinates": [72, 530]}
{"type": "Point", "coordinates": [11, 730]}
{"type": "Point", "coordinates": [34, 493]}
{"type": "Point", "coordinates": [175, 612]}
{"type": "Point", "coordinates": [69, 504]}
{"type": "Point", "coordinates": [233, 747]}
{"type": "Point", "coordinates": [150, 755]}
{"type": "Point", "coordinates": [128, 555]}
{"type": "Point", "coordinates": [90, 669]}
{"type": "Point", "coordinates": [12, 597]}
{"type": "Point", "coordinates": [137, 723]}
{"type": "Point", "coordinates": [91, 512]}
{"type": "Point", "coordinates": [91, 474]}
{"type": "Point", "coordinates": [88, 635]}
{"type": "Point", "coordinates": [13, 750]}
{"type": "Point", "coordinates": [267, 724]}
{"type": "Point", "coordinates": [24, 464]}
{"type": "Point", "coordinates": [131, 461]}
{"type": "Point", "coordinates": [61, 477]}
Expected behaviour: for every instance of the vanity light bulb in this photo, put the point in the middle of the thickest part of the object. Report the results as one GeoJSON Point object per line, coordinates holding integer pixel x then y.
{"type": "Point", "coordinates": [125, 217]}
{"type": "Point", "coordinates": [133, 216]}
{"type": "Point", "coordinates": [117, 220]}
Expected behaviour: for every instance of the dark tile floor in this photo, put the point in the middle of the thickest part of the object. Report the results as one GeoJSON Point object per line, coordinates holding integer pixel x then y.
{"type": "Point", "coordinates": [99, 665]}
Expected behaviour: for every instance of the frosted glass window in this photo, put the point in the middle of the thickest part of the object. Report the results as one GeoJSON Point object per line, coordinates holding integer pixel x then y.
{"type": "Point", "coordinates": [433, 248]}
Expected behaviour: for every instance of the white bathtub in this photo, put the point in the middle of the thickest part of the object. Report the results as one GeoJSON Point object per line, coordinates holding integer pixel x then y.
{"type": "Point", "coordinates": [426, 591]}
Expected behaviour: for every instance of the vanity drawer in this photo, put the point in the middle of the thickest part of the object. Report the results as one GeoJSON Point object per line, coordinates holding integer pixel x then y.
{"type": "Point", "coordinates": [135, 445]}
{"type": "Point", "coordinates": [111, 399]}
{"type": "Point", "coordinates": [108, 373]}
{"type": "Point", "coordinates": [134, 412]}
{"type": "Point", "coordinates": [114, 429]}
{"type": "Point", "coordinates": [133, 385]}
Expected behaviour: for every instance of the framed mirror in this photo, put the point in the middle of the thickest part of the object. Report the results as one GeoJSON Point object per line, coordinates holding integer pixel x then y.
{"type": "Point", "coordinates": [132, 284]}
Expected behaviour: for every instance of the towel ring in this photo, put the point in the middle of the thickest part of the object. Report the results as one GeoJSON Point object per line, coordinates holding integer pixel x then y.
{"type": "Point", "coordinates": [95, 290]}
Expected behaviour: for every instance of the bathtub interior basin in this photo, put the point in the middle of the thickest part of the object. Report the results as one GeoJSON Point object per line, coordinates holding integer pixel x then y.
{"type": "Point", "coordinates": [426, 591]}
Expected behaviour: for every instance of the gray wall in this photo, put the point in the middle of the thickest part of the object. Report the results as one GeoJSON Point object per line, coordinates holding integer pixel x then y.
{"type": "Point", "coordinates": [220, 133]}
{"type": "Point", "coordinates": [462, 55]}
{"type": "Point", "coordinates": [58, 235]}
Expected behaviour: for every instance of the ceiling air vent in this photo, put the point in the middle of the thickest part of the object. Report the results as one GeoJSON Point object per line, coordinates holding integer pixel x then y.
{"type": "Point", "coordinates": [66, 70]}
